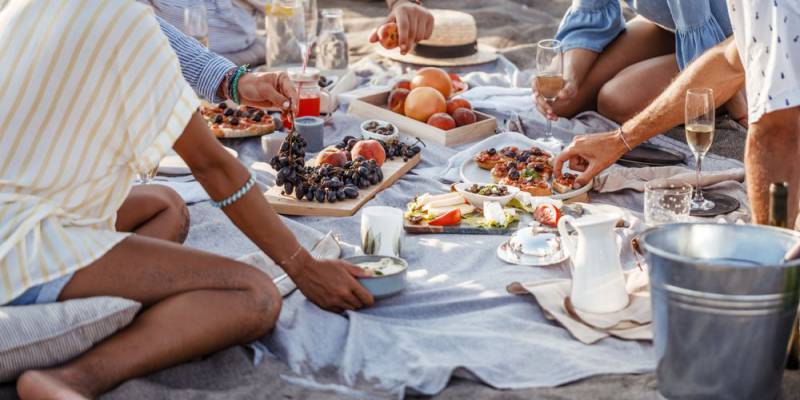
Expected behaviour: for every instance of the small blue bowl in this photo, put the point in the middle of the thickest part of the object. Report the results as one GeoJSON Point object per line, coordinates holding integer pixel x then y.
{"type": "Point", "coordinates": [384, 285]}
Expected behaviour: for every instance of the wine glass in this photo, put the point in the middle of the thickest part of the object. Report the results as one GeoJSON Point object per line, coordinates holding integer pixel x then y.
{"type": "Point", "coordinates": [699, 135]}
{"type": "Point", "coordinates": [305, 26]}
{"type": "Point", "coordinates": [195, 21]}
{"type": "Point", "coordinates": [145, 177]}
{"type": "Point", "coordinates": [549, 77]}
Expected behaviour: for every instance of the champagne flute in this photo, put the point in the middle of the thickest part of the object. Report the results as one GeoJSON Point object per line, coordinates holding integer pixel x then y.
{"type": "Point", "coordinates": [699, 135]}
{"type": "Point", "coordinates": [549, 77]}
{"type": "Point", "coordinates": [195, 21]}
{"type": "Point", "coordinates": [305, 26]}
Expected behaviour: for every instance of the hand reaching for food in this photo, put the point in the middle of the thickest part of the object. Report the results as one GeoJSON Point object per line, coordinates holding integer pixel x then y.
{"type": "Point", "coordinates": [407, 24]}
{"type": "Point", "coordinates": [332, 285]}
{"type": "Point", "coordinates": [590, 154]}
{"type": "Point", "coordinates": [267, 90]}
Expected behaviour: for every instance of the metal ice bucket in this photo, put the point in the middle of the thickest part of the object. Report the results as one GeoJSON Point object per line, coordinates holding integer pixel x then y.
{"type": "Point", "coordinates": [723, 308]}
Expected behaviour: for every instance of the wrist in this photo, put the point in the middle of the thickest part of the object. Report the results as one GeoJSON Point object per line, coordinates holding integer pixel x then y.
{"type": "Point", "coordinates": [295, 263]}
{"type": "Point", "coordinates": [222, 90]}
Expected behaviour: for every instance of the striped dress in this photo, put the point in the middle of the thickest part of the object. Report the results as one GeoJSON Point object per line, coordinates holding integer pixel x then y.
{"type": "Point", "coordinates": [91, 93]}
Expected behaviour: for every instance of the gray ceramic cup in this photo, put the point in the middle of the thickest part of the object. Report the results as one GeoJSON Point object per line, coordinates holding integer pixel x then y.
{"type": "Point", "coordinates": [312, 129]}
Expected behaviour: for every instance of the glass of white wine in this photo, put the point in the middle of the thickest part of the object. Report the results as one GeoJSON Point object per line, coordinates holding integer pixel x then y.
{"type": "Point", "coordinates": [549, 77]}
{"type": "Point", "coordinates": [195, 21]}
{"type": "Point", "coordinates": [699, 135]}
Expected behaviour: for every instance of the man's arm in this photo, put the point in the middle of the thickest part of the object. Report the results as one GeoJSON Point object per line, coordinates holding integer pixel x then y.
{"type": "Point", "coordinates": [203, 69]}
{"type": "Point", "coordinates": [773, 145]}
{"type": "Point", "coordinates": [719, 68]}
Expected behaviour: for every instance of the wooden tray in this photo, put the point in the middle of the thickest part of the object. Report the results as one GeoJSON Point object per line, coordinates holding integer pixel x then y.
{"type": "Point", "coordinates": [373, 106]}
{"type": "Point", "coordinates": [392, 171]}
{"type": "Point", "coordinates": [459, 229]}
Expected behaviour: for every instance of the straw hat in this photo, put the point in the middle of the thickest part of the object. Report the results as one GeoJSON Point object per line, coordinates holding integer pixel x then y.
{"type": "Point", "coordinates": [454, 42]}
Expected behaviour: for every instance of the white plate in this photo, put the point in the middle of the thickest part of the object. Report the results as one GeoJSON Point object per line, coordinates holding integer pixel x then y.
{"type": "Point", "coordinates": [505, 253]}
{"type": "Point", "coordinates": [470, 172]}
{"type": "Point", "coordinates": [173, 164]}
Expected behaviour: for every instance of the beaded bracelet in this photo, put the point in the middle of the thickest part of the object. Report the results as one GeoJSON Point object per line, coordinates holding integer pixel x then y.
{"type": "Point", "coordinates": [238, 195]}
{"type": "Point", "coordinates": [234, 83]}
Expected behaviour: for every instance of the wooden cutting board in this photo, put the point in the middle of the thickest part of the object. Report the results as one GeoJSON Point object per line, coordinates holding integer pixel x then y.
{"type": "Point", "coordinates": [459, 229]}
{"type": "Point", "coordinates": [392, 171]}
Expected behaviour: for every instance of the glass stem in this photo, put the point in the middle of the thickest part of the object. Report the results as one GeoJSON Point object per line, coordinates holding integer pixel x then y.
{"type": "Point", "coordinates": [698, 193]}
{"type": "Point", "coordinates": [549, 133]}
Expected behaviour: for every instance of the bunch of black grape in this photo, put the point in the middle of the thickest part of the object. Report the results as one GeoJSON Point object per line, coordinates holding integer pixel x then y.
{"type": "Point", "coordinates": [321, 183]}
{"type": "Point", "coordinates": [392, 148]}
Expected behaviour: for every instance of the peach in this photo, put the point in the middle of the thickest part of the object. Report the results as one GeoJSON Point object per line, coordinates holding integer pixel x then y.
{"type": "Point", "coordinates": [464, 116]}
{"type": "Point", "coordinates": [402, 84]}
{"type": "Point", "coordinates": [397, 100]}
{"type": "Point", "coordinates": [435, 78]}
{"type": "Point", "coordinates": [454, 77]}
{"type": "Point", "coordinates": [423, 102]}
{"type": "Point", "coordinates": [332, 156]}
{"type": "Point", "coordinates": [387, 34]}
{"type": "Point", "coordinates": [455, 104]}
{"type": "Point", "coordinates": [370, 150]}
{"type": "Point", "coordinates": [442, 121]}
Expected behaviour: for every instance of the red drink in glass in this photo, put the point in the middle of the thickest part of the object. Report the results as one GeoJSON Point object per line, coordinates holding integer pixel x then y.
{"type": "Point", "coordinates": [308, 106]}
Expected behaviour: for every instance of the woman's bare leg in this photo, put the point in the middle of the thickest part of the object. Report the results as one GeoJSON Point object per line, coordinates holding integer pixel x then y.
{"type": "Point", "coordinates": [155, 211]}
{"type": "Point", "coordinates": [641, 40]}
{"type": "Point", "coordinates": [196, 303]}
{"type": "Point", "coordinates": [635, 87]}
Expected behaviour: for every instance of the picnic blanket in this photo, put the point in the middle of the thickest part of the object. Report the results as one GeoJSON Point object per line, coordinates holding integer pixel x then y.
{"type": "Point", "coordinates": [456, 317]}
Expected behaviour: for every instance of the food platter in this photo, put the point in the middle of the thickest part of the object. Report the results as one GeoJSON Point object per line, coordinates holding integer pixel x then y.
{"type": "Point", "coordinates": [471, 172]}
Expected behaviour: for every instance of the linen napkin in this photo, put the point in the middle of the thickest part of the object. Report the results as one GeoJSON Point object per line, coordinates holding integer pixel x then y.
{"type": "Point", "coordinates": [634, 322]}
{"type": "Point", "coordinates": [618, 178]}
{"type": "Point", "coordinates": [325, 248]}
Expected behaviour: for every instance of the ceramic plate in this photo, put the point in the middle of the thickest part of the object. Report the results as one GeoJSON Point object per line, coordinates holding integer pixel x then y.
{"type": "Point", "coordinates": [471, 173]}
{"type": "Point", "coordinates": [505, 253]}
{"type": "Point", "coordinates": [173, 164]}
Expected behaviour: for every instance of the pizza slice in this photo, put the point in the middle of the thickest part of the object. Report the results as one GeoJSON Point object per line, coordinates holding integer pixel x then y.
{"type": "Point", "coordinates": [565, 183]}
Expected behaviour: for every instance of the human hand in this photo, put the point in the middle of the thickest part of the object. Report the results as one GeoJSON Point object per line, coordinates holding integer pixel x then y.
{"type": "Point", "coordinates": [331, 285]}
{"type": "Point", "coordinates": [267, 90]}
{"type": "Point", "coordinates": [414, 23]}
{"type": "Point", "coordinates": [566, 94]}
{"type": "Point", "coordinates": [590, 155]}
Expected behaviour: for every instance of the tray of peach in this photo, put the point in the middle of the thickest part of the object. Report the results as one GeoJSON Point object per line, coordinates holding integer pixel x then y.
{"type": "Point", "coordinates": [427, 106]}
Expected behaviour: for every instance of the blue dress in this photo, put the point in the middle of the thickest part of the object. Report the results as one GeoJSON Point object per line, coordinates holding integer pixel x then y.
{"type": "Point", "coordinates": [698, 24]}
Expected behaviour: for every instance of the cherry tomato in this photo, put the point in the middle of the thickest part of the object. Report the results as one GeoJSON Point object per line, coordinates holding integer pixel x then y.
{"type": "Point", "coordinates": [547, 214]}
{"type": "Point", "coordinates": [450, 218]}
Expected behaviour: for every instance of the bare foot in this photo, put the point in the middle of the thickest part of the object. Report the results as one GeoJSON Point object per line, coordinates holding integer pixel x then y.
{"type": "Point", "coordinates": [42, 385]}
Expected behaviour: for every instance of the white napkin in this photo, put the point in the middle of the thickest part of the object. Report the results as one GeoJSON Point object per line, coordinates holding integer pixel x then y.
{"type": "Point", "coordinates": [617, 178]}
{"type": "Point", "coordinates": [634, 322]}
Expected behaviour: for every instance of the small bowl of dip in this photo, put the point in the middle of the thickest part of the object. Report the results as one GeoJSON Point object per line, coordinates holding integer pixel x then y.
{"type": "Point", "coordinates": [387, 274]}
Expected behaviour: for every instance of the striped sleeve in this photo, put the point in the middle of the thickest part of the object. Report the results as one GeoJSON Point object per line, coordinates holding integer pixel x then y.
{"type": "Point", "coordinates": [156, 101]}
{"type": "Point", "coordinates": [202, 69]}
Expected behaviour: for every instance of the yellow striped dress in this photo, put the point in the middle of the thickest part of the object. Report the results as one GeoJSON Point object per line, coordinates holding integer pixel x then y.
{"type": "Point", "coordinates": [90, 93]}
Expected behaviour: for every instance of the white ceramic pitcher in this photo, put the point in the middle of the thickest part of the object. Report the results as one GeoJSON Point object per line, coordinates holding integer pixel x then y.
{"type": "Point", "coordinates": [598, 283]}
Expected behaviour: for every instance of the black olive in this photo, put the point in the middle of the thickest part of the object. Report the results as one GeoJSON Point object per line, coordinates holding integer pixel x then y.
{"type": "Point", "coordinates": [229, 111]}
{"type": "Point", "coordinates": [492, 151]}
{"type": "Point", "coordinates": [218, 119]}
{"type": "Point", "coordinates": [222, 105]}
{"type": "Point", "coordinates": [258, 116]}
{"type": "Point", "coordinates": [239, 113]}
{"type": "Point", "coordinates": [234, 121]}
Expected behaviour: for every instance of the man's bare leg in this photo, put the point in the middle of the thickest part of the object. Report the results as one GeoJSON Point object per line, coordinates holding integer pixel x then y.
{"type": "Point", "coordinates": [641, 41]}
{"type": "Point", "coordinates": [196, 303]}
{"type": "Point", "coordinates": [155, 211]}
{"type": "Point", "coordinates": [773, 144]}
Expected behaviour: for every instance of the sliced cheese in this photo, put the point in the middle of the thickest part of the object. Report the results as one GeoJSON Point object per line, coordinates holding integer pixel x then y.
{"type": "Point", "coordinates": [465, 209]}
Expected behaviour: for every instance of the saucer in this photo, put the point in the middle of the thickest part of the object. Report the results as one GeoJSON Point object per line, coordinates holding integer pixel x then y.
{"type": "Point", "coordinates": [507, 254]}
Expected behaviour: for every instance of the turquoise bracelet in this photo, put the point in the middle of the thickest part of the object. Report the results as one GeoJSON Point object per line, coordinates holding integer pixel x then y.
{"type": "Point", "coordinates": [235, 82]}
{"type": "Point", "coordinates": [238, 195]}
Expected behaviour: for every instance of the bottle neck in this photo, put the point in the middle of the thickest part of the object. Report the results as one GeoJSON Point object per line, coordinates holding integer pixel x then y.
{"type": "Point", "coordinates": [778, 205]}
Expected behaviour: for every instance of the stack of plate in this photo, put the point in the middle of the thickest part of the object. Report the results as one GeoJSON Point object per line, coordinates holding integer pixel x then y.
{"type": "Point", "coordinates": [648, 155]}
